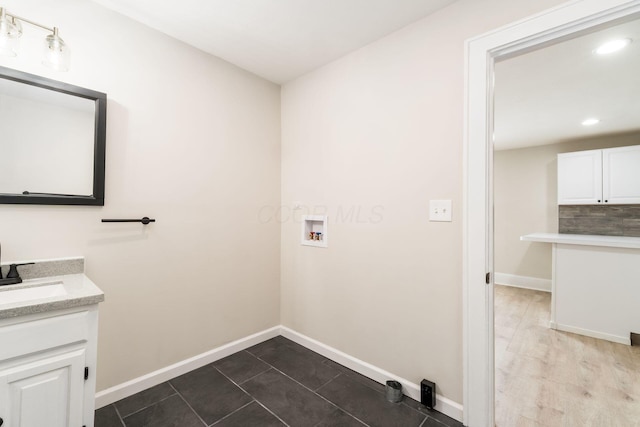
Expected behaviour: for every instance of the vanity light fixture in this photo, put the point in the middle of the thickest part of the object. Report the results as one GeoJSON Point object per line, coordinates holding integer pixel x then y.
{"type": "Point", "coordinates": [590, 122]}
{"type": "Point", "coordinates": [612, 46]}
{"type": "Point", "coordinates": [56, 52]}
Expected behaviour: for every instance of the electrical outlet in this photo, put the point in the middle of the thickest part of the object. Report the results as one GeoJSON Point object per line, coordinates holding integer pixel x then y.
{"type": "Point", "coordinates": [440, 210]}
{"type": "Point", "coordinates": [428, 393]}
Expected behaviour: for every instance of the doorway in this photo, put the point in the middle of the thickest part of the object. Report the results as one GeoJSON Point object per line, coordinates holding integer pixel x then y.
{"type": "Point", "coordinates": [561, 23]}
{"type": "Point", "coordinates": [541, 98]}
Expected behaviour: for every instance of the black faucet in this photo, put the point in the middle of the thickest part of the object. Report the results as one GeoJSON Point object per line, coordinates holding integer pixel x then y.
{"type": "Point", "coordinates": [13, 276]}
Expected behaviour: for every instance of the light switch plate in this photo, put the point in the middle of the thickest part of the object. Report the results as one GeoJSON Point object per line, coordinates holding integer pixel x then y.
{"type": "Point", "coordinates": [440, 210]}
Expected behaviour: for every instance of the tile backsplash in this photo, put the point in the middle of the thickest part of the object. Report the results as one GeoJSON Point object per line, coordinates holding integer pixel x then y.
{"type": "Point", "coordinates": [607, 220]}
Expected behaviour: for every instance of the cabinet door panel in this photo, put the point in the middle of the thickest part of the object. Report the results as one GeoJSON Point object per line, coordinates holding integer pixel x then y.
{"type": "Point", "coordinates": [621, 171]}
{"type": "Point", "coordinates": [44, 392]}
{"type": "Point", "coordinates": [580, 178]}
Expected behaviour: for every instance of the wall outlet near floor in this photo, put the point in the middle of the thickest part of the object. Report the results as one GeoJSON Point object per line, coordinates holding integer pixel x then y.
{"type": "Point", "coordinates": [428, 393]}
{"type": "Point", "coordinates": [440, 210]}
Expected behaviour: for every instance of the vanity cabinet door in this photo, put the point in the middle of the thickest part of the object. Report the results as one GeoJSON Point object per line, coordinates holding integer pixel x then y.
{"type": "Point", "coordinates": [621, 172]}
{"type": "Point", "coordinates": [580, 178]}
{"type": "Point", "coordinates": [47, 391]}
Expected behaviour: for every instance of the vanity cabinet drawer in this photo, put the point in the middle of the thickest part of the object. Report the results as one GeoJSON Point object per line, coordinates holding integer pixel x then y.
{"type": "Point", "coordinates": [38, 334]}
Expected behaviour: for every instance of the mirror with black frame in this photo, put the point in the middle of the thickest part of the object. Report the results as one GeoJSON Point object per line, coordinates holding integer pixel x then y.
{"type": "Point", "coordinates": [52, 141]}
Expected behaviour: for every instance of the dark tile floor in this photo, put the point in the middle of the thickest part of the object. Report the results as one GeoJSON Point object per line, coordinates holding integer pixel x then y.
{"type": "Point", "coordinates": [275, 383]}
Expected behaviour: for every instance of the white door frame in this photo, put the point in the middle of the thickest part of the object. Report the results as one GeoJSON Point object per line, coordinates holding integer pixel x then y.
{"type": "Point", "coordinates": [480, 55]}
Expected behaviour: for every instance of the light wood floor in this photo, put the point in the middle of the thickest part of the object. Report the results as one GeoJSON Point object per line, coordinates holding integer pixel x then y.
{"type": "Point", "coordinates": [551, 378]}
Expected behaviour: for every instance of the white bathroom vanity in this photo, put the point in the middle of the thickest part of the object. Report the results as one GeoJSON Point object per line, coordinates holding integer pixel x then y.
{"type": "Point", "coordinates": [48, 331]}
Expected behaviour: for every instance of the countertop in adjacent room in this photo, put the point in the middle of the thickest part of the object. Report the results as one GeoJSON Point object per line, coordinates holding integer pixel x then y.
{"type": "Point", "coordinates": [584, 239]}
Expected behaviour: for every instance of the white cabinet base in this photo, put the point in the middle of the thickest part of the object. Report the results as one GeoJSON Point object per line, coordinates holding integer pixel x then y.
{"type": "Point", "coordinates": [42, 368]}
{"type": "Point", "coordinates": [45, 392]}
{"type": "Point", "coordinates": [595, 291]}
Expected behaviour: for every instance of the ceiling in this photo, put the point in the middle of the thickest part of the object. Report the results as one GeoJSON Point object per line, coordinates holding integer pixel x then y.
{"type": "Point", "coordinates": [542, 97]}
{"type": "Point", "coordinates": [278, 40]}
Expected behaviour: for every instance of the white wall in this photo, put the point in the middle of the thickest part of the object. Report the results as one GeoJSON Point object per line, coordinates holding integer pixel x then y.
{"type": "Point", "coordinates": [191, 141]}
{"type": "Point", "coordinates": [380, 131]}
{"type": "Point", "coordinates": [526, 201]}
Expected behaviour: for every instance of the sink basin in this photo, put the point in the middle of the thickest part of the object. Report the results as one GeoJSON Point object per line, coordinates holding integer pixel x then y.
{"type": "Point", "coordinates": [32, 293]}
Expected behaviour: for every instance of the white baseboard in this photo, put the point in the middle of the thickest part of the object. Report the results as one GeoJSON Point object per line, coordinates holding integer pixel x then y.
{"type": "Point", "coordinates": [592, 334]}
{"type": "Point", "coordinates": [523, 282]}
{"type": "Point", "coordinates": [444, 405]}
{"type": "Point", "coordinates": [136, 385]}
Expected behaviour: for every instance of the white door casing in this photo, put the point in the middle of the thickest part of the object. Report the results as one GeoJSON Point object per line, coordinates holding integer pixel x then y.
{"type": "Point", "coordinates": [480, 55]}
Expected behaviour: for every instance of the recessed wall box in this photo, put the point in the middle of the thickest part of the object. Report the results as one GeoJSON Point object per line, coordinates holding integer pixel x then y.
{"type": "Point", "coordinates": [314, 231]}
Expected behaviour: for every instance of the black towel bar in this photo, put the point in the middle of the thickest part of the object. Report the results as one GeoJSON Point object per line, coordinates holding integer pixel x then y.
{"type": "Point", "coordinates": [145, 220]}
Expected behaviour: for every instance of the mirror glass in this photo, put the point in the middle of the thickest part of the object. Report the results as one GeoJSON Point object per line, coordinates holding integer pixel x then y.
{"type": "Point", "coordinates": [52, 139]}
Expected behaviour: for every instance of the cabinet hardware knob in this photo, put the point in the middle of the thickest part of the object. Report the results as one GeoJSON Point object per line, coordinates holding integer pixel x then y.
{"type": "Point", "coordinates": [606, 201]}
{"type": "Point", "coordinates": [598, 201]}
{"type": "Point", "coordinates": [1, 421]}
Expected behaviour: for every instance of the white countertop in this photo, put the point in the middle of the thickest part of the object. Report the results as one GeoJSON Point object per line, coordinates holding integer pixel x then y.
{"type": "Point", "coordinates": [72, 290]}
{"type": "Point", "coordinates": [584, 239]}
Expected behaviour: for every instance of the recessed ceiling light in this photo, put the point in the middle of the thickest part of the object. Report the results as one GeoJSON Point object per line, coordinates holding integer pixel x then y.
{"type": "Point", "coordinates": [612, 46]}
{"type": "Point", "coordinates": [590, 122]}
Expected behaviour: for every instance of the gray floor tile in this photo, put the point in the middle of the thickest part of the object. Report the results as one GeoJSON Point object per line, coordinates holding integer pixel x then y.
{"type": "Point", "coordinates": [368, 405]}
{"type": "Point", "coordinates": [209, 393]}
{"type": "Point", "coordinates": [277, 342]}
{"type": "Point", "coordinates": [442, 418]}
{"type": "Point", "coordinates": [380, 388]}
{"type": "Point", "coordinates": [432, 422]}
{"type": "Point", "coordinates": [344, 398]}
{"type": "Point", "coordinates": [107, 417]}
{"type": "Point", "coordinates": [339, 418]}
{"type": "Point", "coordinates": [171, 412]}
{"type": "Point", "coordinates": [301, 364]}
{"type": "Point", "coordinates": [143, 399]}
{"type": "Point", "coordinates": [251, 415]}
{"type": "Point", "coordinates": [241, 366]}
{"type": "Point", "coordinates": [290, 401]}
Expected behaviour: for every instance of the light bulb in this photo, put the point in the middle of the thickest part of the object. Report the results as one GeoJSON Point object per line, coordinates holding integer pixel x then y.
{"type": "Point", "coordinates": [590, 122]}
{"type": "Point", "coordinates": [56, 52]}
{"type": "Point", "coordinates": [612, 46]}
{"type": "Point", "coordinates": [10, 31]}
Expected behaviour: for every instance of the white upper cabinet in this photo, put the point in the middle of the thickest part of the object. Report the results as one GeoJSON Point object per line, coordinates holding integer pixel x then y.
{"type": "Point", "coordinates": [621, 167]}
{"type": "Point", "coordinates": [580, 178]}
{"type": "Point", "coordinates": [610, 176]}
